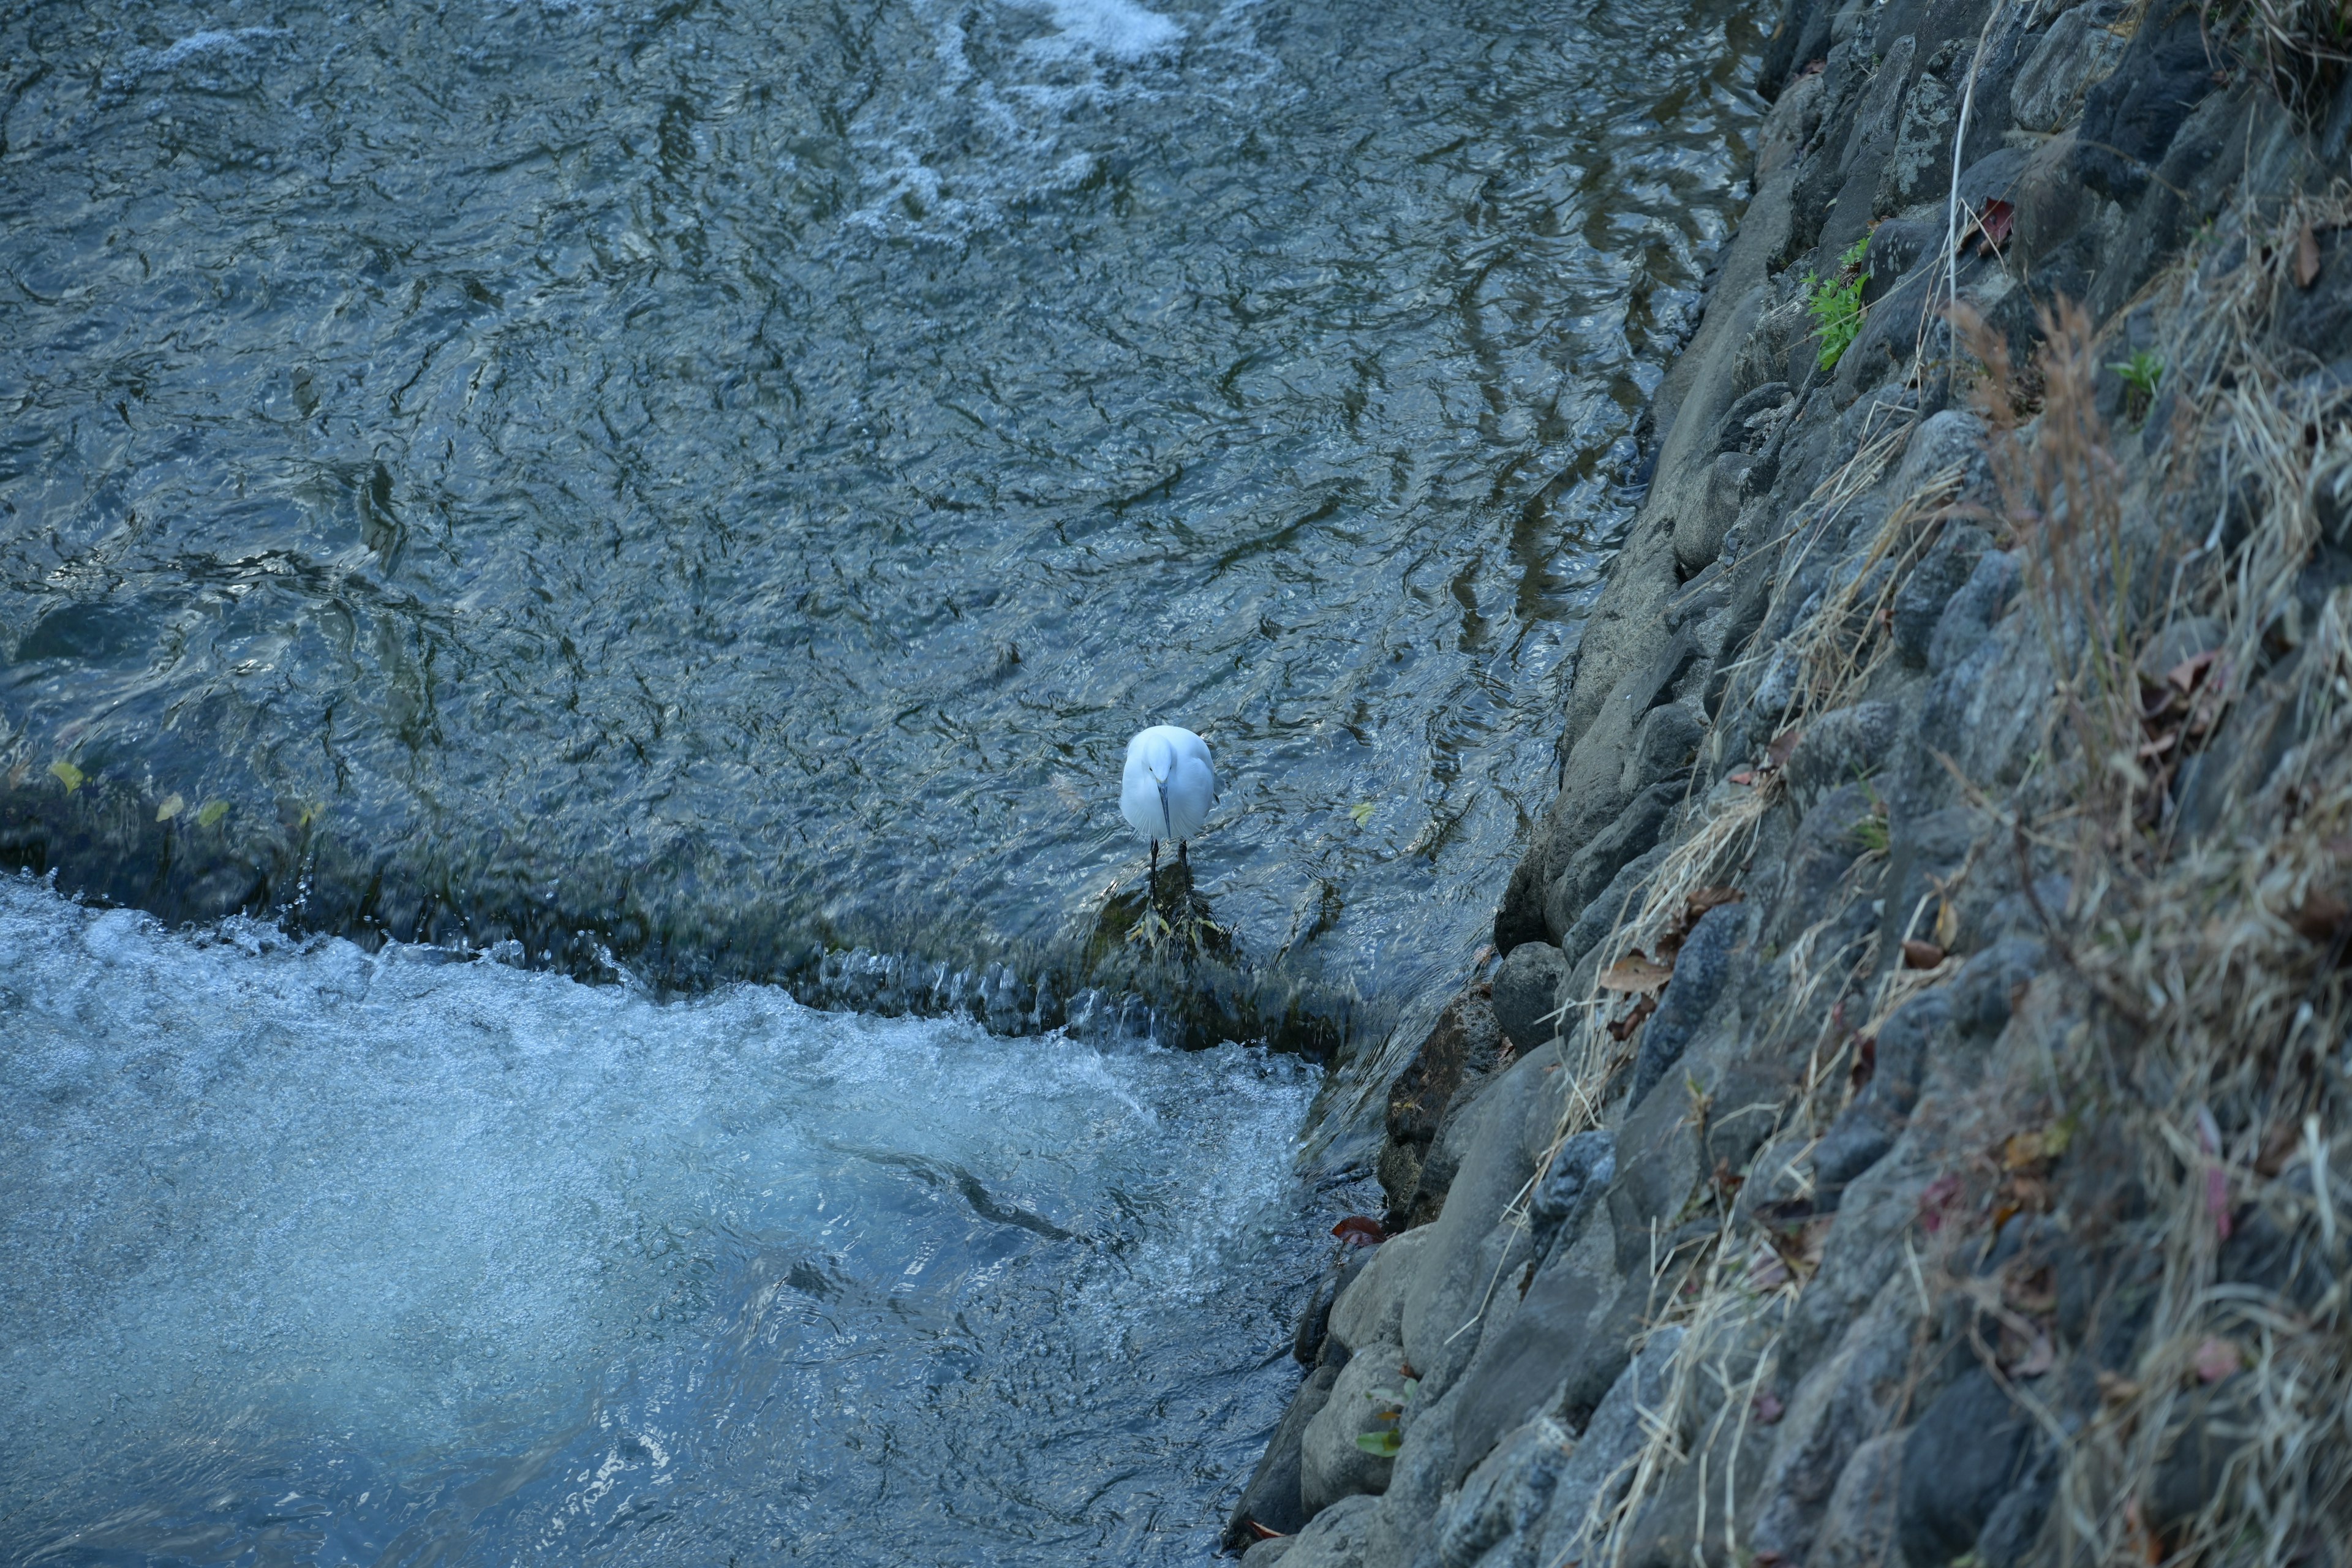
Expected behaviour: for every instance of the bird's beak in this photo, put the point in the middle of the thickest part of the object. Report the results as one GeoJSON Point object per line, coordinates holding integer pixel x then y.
{"type": "Point", "coordinates": [1166, 821]}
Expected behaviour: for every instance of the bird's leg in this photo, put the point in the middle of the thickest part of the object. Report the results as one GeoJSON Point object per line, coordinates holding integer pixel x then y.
{"type": "Point", "coordinates": [1154, 883]}
{"type": "Point", "coordinates": [1179, 856]}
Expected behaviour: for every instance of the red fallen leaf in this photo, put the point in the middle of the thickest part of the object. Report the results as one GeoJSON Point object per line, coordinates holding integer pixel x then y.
{"type": "Point", "coordinates": [1918, 954]}
{"type": "Point", "coordinates": [1742, 778]}
{"type": "Point", "coordinates": [1866, 1061]}
{"type": "Point", "coordinates": [1727, 1180]}
{"type": "Point", "coordinates": [1991, 229]}
{"type": "Point", "coordinates": [1261, 1532]}
{"type": "Point", "coordinates": [2215, 1359]}
{"type": "Point", "coordinates": [1359, 1230]}
{"type": "Point", "coordinates": [2306, 257]}
{"type": "Point", "coordinates": [1769, 1409]}
{"type": "Point", "coordinates": [2217, 1200]}
{"type": "Point", "coordinates": [1998, 222]}
{"type": "Point", "coordinates": [1936, 1200]}
{"type": "Point", "coordinates": [1775, 755]}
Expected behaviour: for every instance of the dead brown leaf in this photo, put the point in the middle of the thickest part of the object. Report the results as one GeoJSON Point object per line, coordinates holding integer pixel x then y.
{"type": "Point", "coordinates": [1635, 974]}
{"type": "Point", "coordinates": [1918, 954]}
{"type": "Point", "coordinates": [2280, 1144]}
{"type": "Point", "coordinates": [2034, 1293]}
{"type": "Point", "coordinates": [2185, 675]}
{"type": "Point", "coordinates": [2024, 1356]}
{"type": "Point", "coordinates": [1622, 1029]}
{"type": "Point", "coordinates": [1708, 899]}
{"type": "Point", "coordinates": [2320, 916]}
{"type": "Point", "coordinates": [1865, 1061]}
{"type": "Point", "coordinates": [2306, 257]}
{"type": "Point", "coordinates": [2029, 1194]}
{"type": "Point", "coordinates": [1670, 940]}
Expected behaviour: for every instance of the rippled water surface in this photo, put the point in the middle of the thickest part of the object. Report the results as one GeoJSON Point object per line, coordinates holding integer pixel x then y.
{"type": "Point", "coordinates": [729, 477]}
{"type": "Point", "coordinates": [665, 491]}
{"type": "Point", "coordinates": [322, 1256]}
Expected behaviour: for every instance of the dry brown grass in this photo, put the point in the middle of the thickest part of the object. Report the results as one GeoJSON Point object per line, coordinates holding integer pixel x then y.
{"type": "Point", "coordinates": [2300, 46]}
{"type": "Point", "coordinates": [2212, 969]}
{"type": "Point", "coordinates": [2219, 1044]}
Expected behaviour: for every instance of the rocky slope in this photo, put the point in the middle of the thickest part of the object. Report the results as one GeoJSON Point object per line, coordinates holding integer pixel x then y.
{"type": "Point", "coordinates": [1901, 1124]}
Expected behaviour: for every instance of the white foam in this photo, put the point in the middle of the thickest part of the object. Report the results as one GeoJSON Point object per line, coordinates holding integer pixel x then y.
{"type": "Point", "coordinates": [238, 40]}
{"type": "Point", "coordinates": [1115, 29]}
{"type": "Point", "coordinates": [266, 1195]}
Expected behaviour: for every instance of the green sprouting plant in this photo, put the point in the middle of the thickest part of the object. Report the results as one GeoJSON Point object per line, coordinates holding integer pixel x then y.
{"type": "Point", "coordinates": [1871, 830]}
{"type": "Point", "coordinates": [1388, 1440]}
{"type": "Point", "coordinates": [2140, 374]}
{"type": "Point", "coordinates": [1835, 303]}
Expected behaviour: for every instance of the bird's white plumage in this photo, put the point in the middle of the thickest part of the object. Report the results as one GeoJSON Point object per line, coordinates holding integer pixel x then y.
{"type": "Point", "coordinates": [1168, 785]}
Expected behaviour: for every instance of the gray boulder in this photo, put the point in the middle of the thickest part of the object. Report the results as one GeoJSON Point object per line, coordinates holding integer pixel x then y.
{"type": "Point", "coordinates": [1970, 612]}
{"type": "Point", "coordinates": [1942, 572]}
{"type": "Point", "coordinates": [1699, 971]}
{"type": "Point", "coordinates": [1336, 1538]}
{"type": "Point", "coordinates": [1371, 1310]}
{"type": "Point", "coordinates": [1527, 990]}
{"type": "Point", "coordinates": [1332, 1465]}
{"type": "Point", "coordinates": [1620, 900]}
{"type": "Point", "coordinates": [1600, 1469]}
{"type": "Point", "coordinates": [2075, 55]}
{"type": "Point", "coordinates": [1857, 1529]}
{"type": "Point", "coordinates": [1534, 1363]}
{"type": "Point", "coordinates": [1962, 1458]}
{"type": "Point", "coordinates": [1504, 1499]}
{"type": "Point", "coordinates": [1504, 1136]}
{"type": "Point", "coordinates": [1840, 747]}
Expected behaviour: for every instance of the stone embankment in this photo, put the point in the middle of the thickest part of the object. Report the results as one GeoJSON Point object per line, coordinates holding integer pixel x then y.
{"type": "Point", "coordinates": [1900, 1126]}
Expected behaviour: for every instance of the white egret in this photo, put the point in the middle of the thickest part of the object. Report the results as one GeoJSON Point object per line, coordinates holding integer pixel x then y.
{"type": "Point", "coordinates": [1168, 788]}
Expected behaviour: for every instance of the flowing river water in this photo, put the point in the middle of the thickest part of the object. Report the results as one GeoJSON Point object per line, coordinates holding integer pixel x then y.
{"type": "Point", "coordinates": [509, 510]}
